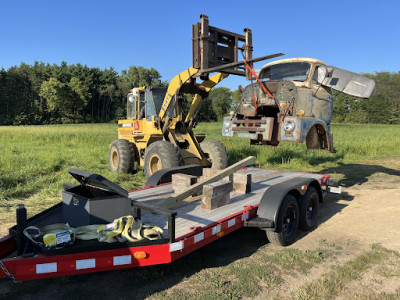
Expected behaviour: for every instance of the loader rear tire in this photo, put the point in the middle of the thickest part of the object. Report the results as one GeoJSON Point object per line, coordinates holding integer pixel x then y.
{"type": "Point", "coordinates": [161, 155]}
{"type": "Point", "coordinates": [122, 156]}
{"type": "Point", "coordinates": [216, 153]}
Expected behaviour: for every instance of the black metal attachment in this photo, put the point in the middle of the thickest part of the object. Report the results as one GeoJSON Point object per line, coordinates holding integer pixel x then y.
{"type": "Point", "coordinates": [259, 223]}
{"type": "Point", "coordinates": [21, 225]}
{"type": "Point", "coordinates": [160, 211]}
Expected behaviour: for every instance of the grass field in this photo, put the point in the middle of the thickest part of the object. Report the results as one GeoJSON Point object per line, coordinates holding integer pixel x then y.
{"type": "Point", "coordinates": [35, 159]}
{"type": "Point", "coordinates": [33, 166]}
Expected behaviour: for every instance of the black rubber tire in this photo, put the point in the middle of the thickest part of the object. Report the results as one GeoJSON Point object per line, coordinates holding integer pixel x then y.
{"type": "Point", "coordinates": [287, 223]}
{"type": "Point", "coordinates": [216, 152]}
{"type": "Point", "coordinates": [122, 156]}
{"type": "Point", "coordinates": [308, 209]}
{"type": "Point", "coordinates": [161, 155]}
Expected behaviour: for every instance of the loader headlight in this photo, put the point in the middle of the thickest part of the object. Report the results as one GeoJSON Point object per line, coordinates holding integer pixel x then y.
{"type": "Point", "coordinates": [289, 125]}
{"type": "Point", "coordinates": [227, 123]}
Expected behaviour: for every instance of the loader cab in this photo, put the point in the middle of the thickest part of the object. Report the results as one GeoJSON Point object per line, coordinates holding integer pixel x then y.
{"type": "Point", "coordinates": [135, 102]}
{"type": "Point", "coordinates": [145, 103]}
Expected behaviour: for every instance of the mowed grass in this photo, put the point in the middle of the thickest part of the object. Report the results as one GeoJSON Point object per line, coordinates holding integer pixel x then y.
{"type": "Point", "coordinates": [34, 160]}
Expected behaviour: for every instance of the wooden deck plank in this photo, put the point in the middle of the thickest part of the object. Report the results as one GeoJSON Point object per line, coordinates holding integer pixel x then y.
{"type": "Point", "coordinates": [189, 212]}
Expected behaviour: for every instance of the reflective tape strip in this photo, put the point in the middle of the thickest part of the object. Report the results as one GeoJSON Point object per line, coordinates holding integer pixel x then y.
{"type": "Point", "coordinates": [46, 268]}
{"type": "Point", "coordinates": [176, 246]}
{"type": "Point", "coordinates": [231, 223]}
{"type": "Point", "coordinates": [216, 229]}
{"type": "Point", "coordinates": [245, 216]}
{"type": "Point", "coordinates": [199, 237]}
{"type": "Point", "coordinates": [122, 260]}
{"type": "Point", "coordinates": [86, 264]}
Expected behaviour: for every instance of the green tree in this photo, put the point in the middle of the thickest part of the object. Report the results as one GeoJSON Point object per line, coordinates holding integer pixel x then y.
{"type": "Point", "coordinates": [221, 99]}
{"type": "Point", "coordinates": [141, 76]}
{"type": "Point", "coordinates": [236, 99]}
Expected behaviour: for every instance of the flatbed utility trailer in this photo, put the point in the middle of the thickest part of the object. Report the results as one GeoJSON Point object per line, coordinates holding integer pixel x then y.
{"type": "Point", "coordinates": [187, 227]}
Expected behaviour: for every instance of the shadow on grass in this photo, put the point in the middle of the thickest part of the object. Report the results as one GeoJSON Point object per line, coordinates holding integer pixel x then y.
{"type": "Point", "coordinates": [236, 155]}
{"type": "Point", "coordinates": [329, 208]}
{"type": "Point", "coordinates": [357, 173]}
{"type": "Point", "coordinates": [286, 155]}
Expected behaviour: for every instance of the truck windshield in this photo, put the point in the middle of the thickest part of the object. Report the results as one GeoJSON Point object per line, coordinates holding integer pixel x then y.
{"type": "Point", "coordinates": [297, 71]}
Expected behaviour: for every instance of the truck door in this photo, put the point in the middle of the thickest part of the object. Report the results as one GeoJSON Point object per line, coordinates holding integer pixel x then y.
{"type": "Point", "coordinates": [350, 83]}
{"type": "Point", "coordinates": [322, 99]}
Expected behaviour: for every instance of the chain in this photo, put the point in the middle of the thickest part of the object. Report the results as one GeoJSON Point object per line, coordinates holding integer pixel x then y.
{"type": "Point", "coordinates": [6, 272]}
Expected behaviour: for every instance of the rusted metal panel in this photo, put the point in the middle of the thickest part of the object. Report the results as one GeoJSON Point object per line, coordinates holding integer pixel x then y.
{"type": "Point", "coordinates": [250, 129]}
{"type": "Point", "coordinates": [249, 121]}
{"type": "Point", "coordinates": [261, 130]}
{"type": "Point", "coordinates": [214, 47]}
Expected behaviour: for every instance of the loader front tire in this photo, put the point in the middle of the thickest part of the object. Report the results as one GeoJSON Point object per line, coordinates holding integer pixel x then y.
{"type": "Point", "coordinates": [122, 156]}
{"type": "Point", "coordinates": [216, 153]}
{"type": "Point", "coordinates": [161, 155]}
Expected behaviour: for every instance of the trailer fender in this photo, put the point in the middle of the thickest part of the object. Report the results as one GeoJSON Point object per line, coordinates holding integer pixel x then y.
{"type": "Point", "coordinates": [271, 201]}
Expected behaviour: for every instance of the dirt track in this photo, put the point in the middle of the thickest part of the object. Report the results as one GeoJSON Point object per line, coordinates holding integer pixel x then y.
{"type": "Point", "coordinates": [366, 213]}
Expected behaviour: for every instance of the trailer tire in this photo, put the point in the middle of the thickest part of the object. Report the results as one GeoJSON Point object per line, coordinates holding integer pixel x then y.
{"type": "Point", "coordinates": [308, 209]}
{"type": "Point", "coordinates": [216, 153]}
{"type": "Point", "coordinates": [122, 156]}
{"type": "Point", "coordinates": [161, 155]}
{"type": "Point", "coordinates": [287, 222]}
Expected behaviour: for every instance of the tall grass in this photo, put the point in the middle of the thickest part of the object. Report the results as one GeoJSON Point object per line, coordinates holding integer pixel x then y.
{"type": "Point", "coordinates": [34, 160]}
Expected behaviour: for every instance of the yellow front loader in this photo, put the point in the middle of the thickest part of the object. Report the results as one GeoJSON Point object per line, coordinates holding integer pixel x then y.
{"type": "Point", "coordinates": [156, 135]}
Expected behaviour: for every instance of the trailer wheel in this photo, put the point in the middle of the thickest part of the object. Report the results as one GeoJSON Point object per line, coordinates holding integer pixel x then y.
{"type": "Point", "coordinates": [161, 155]}
{"type": "Point", "coordinates": [287, 223]}
{"type": "Point", "coordinates": [122, 156]}
{"type": "Point", "coordinates": [308, 209]}
{"type": "Point", "coordinates": [216, 153]}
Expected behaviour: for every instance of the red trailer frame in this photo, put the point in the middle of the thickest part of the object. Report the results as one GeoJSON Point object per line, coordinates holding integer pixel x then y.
{"type": "Point", "coordinates": [41, 266]}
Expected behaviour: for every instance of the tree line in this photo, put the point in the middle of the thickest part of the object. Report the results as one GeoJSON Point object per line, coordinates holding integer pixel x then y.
{"type": "Point", "coordinates": [53, 94]}
{"type": "Point", "coordinates": [383, 106]}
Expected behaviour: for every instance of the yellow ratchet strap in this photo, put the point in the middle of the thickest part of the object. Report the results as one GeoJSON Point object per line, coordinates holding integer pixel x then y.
{"type": "Point", "coordinates": [127, 228]}
{"type": "Point", "coordinates": [132, 230]}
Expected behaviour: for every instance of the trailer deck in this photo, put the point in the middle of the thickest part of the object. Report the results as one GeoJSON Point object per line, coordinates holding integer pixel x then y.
{"type": "Point", "coordinates": [188, 227]}
{"type": "Point", "coordinates": [191, 215]}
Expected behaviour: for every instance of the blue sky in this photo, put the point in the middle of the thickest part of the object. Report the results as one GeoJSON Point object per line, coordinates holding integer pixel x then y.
{"type": "Point", "coordinates": [361, 36]}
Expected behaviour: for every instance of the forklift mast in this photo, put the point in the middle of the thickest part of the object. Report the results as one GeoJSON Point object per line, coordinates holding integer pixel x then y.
{"type": "Point", "coordinates": [214, 50]}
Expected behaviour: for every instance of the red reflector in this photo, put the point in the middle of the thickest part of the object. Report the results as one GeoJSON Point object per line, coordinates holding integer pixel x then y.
{"type": "Point", "coordinates": [136, 125]}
